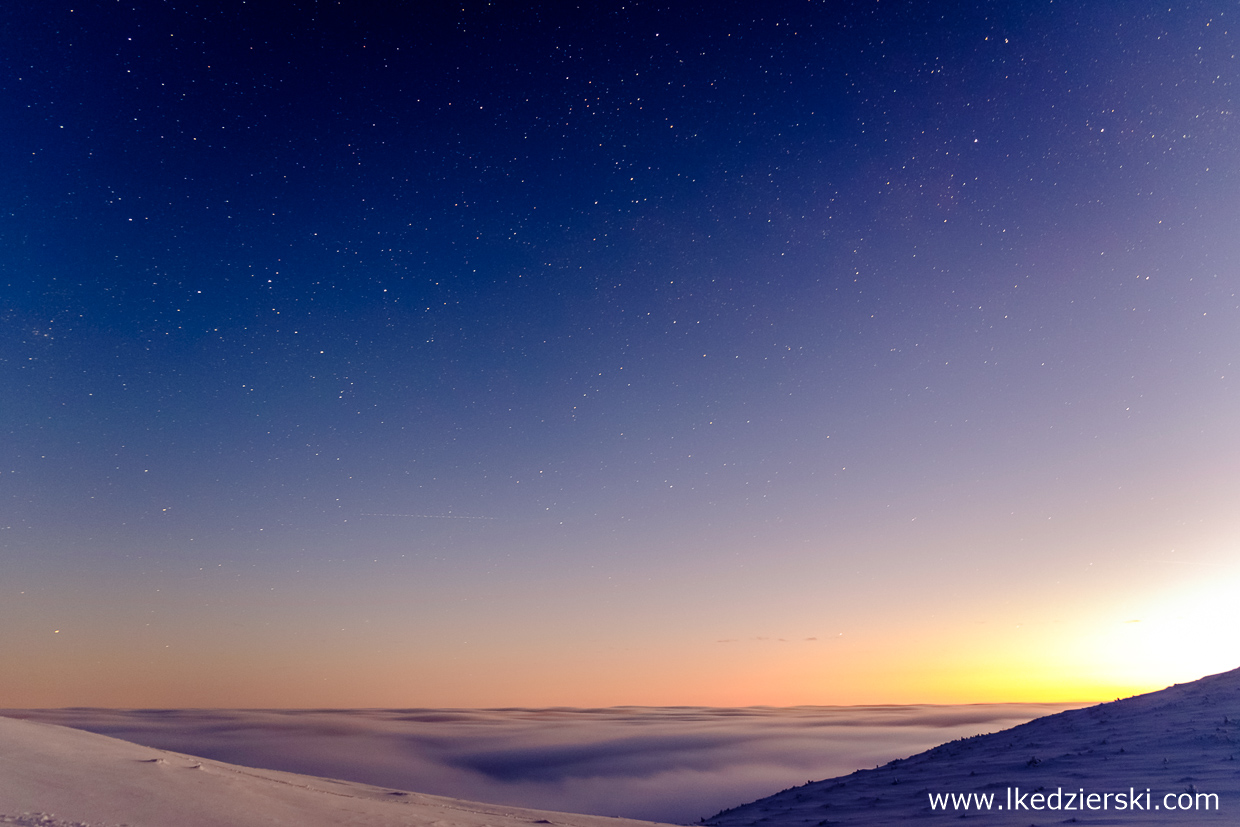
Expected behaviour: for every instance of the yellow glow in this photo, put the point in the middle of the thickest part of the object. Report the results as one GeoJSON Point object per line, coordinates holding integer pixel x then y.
{"type": "Point", "coordinates": [1177, 636]}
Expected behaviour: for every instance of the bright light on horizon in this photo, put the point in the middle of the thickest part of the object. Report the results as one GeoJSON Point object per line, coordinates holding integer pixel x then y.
{"type": "Point", "coordinates": [1172, 632]}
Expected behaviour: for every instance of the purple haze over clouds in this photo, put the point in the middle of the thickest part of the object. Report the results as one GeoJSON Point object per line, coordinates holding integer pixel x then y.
{"type": "Point", "coordinates": [671, 764]}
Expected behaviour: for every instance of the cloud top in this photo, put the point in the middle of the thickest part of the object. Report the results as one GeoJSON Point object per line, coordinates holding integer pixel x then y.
{"type": "Point", "coordinates": [672, 764]}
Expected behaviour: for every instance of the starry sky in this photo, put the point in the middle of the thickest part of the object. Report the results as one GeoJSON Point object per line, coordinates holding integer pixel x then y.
{"type": "Point", "coordinates": [485, 354]}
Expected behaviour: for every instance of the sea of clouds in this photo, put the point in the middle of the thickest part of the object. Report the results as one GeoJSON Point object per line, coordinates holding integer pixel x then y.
{"type": "Point", "coordinates": [670, 764]}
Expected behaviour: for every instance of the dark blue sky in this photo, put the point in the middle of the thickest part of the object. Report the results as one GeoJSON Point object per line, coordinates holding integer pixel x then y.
{"type": "Point", "coordinates": [663, 301]}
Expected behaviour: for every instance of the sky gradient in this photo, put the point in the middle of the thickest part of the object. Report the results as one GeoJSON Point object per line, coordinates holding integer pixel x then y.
{"type": "Point", "coordinates": [489, 354]}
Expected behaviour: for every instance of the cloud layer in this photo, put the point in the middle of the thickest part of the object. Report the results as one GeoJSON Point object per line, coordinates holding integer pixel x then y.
{"type": "Point", "coordinates": [671, 764]}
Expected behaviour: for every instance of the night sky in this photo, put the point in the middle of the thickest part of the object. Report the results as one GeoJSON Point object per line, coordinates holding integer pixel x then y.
{"type": "Point", "coordinates": [491, 353]}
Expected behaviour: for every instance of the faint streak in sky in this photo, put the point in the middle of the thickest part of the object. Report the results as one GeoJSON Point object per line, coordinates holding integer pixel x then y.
{"type": "Point", "coordinates": [426, 516]}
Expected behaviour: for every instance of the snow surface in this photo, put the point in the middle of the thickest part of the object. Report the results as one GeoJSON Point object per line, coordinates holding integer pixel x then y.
{"type": "Point", "coordinates": [1182, 739]}
{"type": "Point", "coordinates": [58, 777]}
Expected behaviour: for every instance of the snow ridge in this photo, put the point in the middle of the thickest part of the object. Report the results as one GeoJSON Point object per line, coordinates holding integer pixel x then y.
{"type": "Point", "coordinates": [1181, 739]}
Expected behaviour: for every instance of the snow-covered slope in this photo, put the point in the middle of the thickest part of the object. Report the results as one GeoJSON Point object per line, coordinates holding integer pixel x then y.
{"type": "Point", "coordinates": [53, 776]}
{"type": "Point", "coordinates": [1173, 748]}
